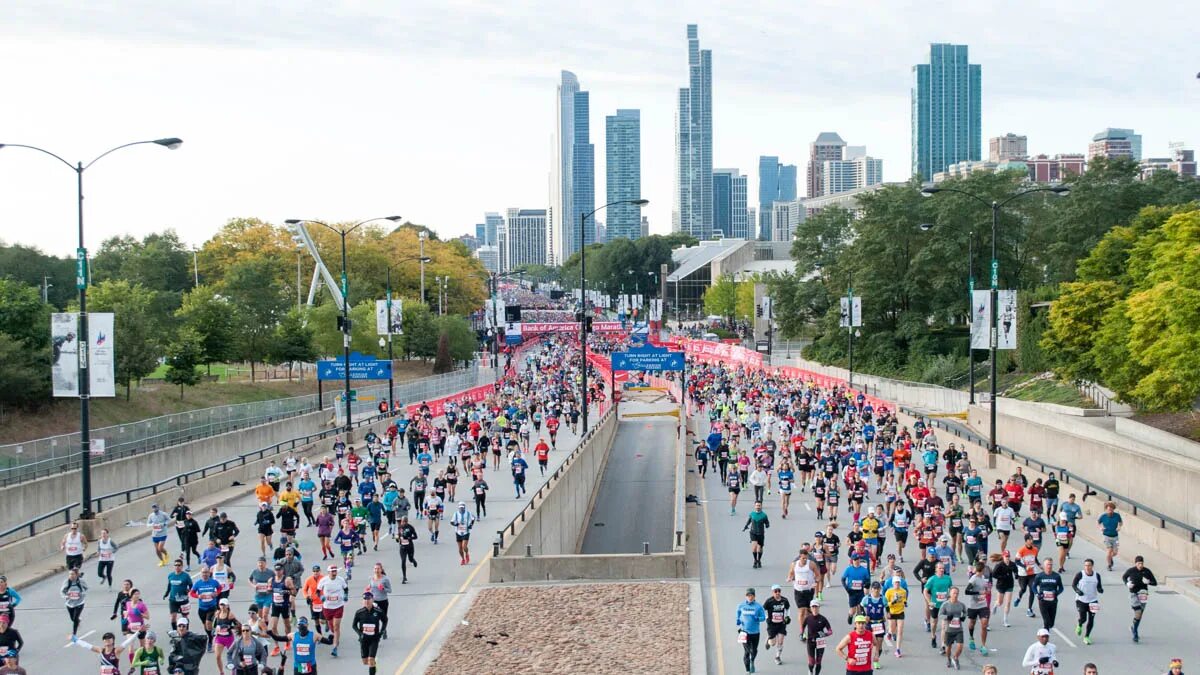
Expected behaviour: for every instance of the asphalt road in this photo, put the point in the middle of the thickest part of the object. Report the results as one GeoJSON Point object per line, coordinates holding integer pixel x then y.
{"type": "Point", "coordinates": [1166, 632]}
{"type": "Point", "coordinates": [417, 609]}
{"type": "Point", "coordinates": [636, 498]}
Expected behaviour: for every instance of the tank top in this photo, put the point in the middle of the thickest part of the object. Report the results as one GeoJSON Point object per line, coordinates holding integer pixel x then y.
{"type": "Point", "coordinates": [859, 653]}
{"type": "Point", "coordinates": [106, 550]}
{"type": "Point", "coordinates": [804, 580]}
{"type": "Point", "coordinates": [279, 592]}
{"type": "Point", "coordinates": [74, 544]}
{"type": "Point", "coordinates": [110, 663]}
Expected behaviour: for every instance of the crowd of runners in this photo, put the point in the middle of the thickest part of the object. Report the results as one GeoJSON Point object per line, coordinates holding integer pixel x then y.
{"type": "Point", "coordinates": [315, 524]}
{"type": "Point", "coordinates": [911, 533]}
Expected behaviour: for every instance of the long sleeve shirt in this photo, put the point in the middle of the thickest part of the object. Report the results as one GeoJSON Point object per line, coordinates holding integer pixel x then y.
{"type": "Point", "coordinates": [1036, 651]}
{"type": "Point", "coordinates": [750, 616]}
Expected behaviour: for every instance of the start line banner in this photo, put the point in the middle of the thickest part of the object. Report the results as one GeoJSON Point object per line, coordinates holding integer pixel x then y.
{"type": "Point", "coordinates": [568, 327]}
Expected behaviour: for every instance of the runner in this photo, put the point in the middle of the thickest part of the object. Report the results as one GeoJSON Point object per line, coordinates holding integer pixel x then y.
{"type": "Point", "coordinates": [179, 585]}
{"type": "Point", "coordinates": [283, 601]}
{"type": "Point", "coordinates": [73, 546]}
{"type": "Point", "coordinates": [855, 579]}
{"type": "Point", "coordinates": [333, 590]}
{"type": "Point", "coordinates": [1087, 587]}
{"type": "Point", "coordinates": [244, 656]}
{"type": "Point", "coordinates": [803, 574]}
{"type": "Point", "coordinates": [463, 521]}
{"type": "Point", "coordinates": [874, 607]}
{"type": "Point", "coordinates": [757, 522]}
{"type": "Point", "coordinates": [225, 630]}
{"type": "Point", "coordinates": [109, 651]}
{"type": "Point", "coordinates": [518, 466]}
{"type": "Point", "coordinates": [1110, 528]}
{"type": "Point", "coordinates": [787, 479]}
{"type": "Point", "coordinates": [778, 612]}
{"type": "Point", "coordinates": [106, 556]}
{"type": "Point", "coordinates": [977, 589]}
{"type": "Point", "coordinates": [750, 616]}
{"type": "Point", "coordinates": [1027, 557]}
{"type": "Point", "coordinates": [1004, 574]}
{"type": "Point", "coordinates": [937, 592]}
{"type": "Point", "coordinates": [951, 615]}
{"type": "Point", "coordinates": [369, 623]}
{"type": "Point", "coordinates": [857, 649]}
{"type": "Point", "coordinates": [1048, 586]}
{"type": "Point", "coordinates": [157, 522]}
{"type": "Point", "coordinates": [733, 480]}
{"type": "Point", "coordinates": [406, 536]}
{"type": "Point", "coordinates": [897, 601]}
{"type": "Point", "coordinates": [148, 659]}
{"type": "Point", "coordinates": [74, 592]}
{"type": "Point", "coordinates": [1042, 655]}
{"type": "Point", "coordinates": [1138, 579]}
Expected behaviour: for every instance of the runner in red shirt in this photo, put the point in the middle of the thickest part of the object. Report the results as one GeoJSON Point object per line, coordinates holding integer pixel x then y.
{"type": "Point", "coordinates": [552, 427]}
{"type": "Point", "coordinates": [543, 455]}
{"type": "Point", "coordinates": [858, 648]}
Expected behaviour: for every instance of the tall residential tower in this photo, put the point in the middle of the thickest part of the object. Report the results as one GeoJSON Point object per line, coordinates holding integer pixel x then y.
{"type": "Point", "coordinates": [947, 125]}
{"type": "Point", "coordinates": [572, 180]}
{"type": "Point", "coordinates": [693, 212]}
{"type": "Point", "coordinates": [623, 170]}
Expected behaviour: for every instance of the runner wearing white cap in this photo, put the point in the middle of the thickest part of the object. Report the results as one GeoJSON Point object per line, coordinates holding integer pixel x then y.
{"type": "Point", "coordinates": [1042, 656]}
{"type": "Point", "coordinates": [462, 521]}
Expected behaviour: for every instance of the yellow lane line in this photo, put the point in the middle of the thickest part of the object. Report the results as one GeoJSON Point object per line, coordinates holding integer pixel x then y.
{"type": "Point", "coordinates": [442, 615]}
{"type": "Point", "coordinates": [712, 581]}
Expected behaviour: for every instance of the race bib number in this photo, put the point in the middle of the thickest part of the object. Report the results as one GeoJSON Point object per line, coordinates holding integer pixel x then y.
{"type": "Point", "coordinates": [277, 598]}
{"type": "Point", "coordinates": [333, 598]}
{"type": "Point", "coordinates": [156, 530]}
{"type": "Point", "coordinates": [150, 670]}
{"type": "Point", "coordinates": [956, 522]}
{"type": "Point", "coordinates": [247, 660]}
{"type": "Point", "coordinates": [72, 595]}
{"type": "Point", "coordinates": [970, 539]}
{"type": "Point", "coordinates": [478, 490]}
{"type": "Point", "coordinates": [940, 596]}
{"type": "Point", "coordinates": [877, 628]}
{"type": "Point", "coordinates": [261, 589]}
{"type": "Point", "coordinates": [206, 596]}
{"type": "Point", "coordinates": [106, 555]}
{"type": "Point", "coordinates": [303, 649]}
{"type": "Point", "coordinates": [405, 542]}
{"type": "Point", "coordinates": [1094, 607]}
{"type": "Point", "coordinates": [856, 585]}
{"type": "Point", "coordinates": [518, 470]}
{"type": "Point", "coordinates": [955, 624]}
{"type": "Point", "coordinates": [1049, 596]}
{"type": "Point", "coordinates": [776, 617]}
{"type": "Point", "coordinates": [820, 642]}
{"type": "Point", "coordinates": [460, 529]}
{"type": "Point", "coordinates": [742, 637]}
{"type": "Point", "coordinates": [1143, 596]}
{"type": "Point", "coordinates": [108, 670]}
{"type": "Point", "coordinates": [368, 629]}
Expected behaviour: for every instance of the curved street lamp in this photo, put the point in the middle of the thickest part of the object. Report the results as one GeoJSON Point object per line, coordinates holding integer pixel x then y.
{"type": "Point", "coordinates": [81, 282]}
{"type": "Point", "coordinates": [342, 232]}
{"type": "Point", "coordinates": [583, 331]}
{"type": "Point", "coordinates": [995, 206]}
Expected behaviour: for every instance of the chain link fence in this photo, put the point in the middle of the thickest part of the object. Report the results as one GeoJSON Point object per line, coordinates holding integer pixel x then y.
{"type": "Point", "coordinates": [45, 456]}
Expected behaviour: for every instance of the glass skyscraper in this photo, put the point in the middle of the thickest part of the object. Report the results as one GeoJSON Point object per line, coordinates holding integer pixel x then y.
{"type": "Point", "coordinates": [947, 115]}
{"type": "Point", "coordinates": [572, 180]}
{"type": "Point", "coordinates": [693, 212]}
{"type": "Point", "coordinates": [729, 203]}
{"type": "Point", "coordinates": [776, 183]}
{"type": "Point", "coordinates": [623, 172]}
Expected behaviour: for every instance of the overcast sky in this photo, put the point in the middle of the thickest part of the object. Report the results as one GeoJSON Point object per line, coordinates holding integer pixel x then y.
{"type": "Point", "coordinates": [439, 111]}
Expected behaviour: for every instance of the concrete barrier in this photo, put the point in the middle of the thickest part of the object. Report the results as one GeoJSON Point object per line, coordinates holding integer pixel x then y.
{"type": "Point", "coordinates": [199, 493]}
{"type": "Point", "coordinates": [31, 499]}
{"type": "Point", "coordinates": [1163, 439]}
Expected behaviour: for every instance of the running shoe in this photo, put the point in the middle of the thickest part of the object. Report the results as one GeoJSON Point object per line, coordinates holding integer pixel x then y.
{"type": "Point", "coordinates": [1087, 640]}
{"type": "Point", "coordinates": [983, 651]}
{"type": "Point", "coordinates": [1078, 630]}
{"type": "Point", "coordinates": [971, 645]}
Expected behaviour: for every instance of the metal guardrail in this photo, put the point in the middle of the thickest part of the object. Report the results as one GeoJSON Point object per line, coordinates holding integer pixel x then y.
{"type": "Point", "coordinates": [179, 480]}
{"type": "Point", "coordinates": [1066, 475]}
{"type": "Point", "coordinates": [32, 459]}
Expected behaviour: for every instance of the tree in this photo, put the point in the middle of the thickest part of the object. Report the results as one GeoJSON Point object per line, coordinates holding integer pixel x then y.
{"type": "Point", "coordinates": [293, 341]}
{"type": "Point", "coordinates": [30, 265]}
{"type": "Point", "coordinates": [720, 299]}
{"type": "Point", "coordinates": [183, 357]}
{"type": "Point", "coordinates": [25, 376]}
{"type": "Point", "coordinates": [1074, 325]}
{"type": "Point", "coordinates": [442, 363]}
{"type": "Point", "coordinates": [463, 341]}
{"type": "Point", "coordinates": [23, 315]}
{"type": "Point", "coordinates": [138, 336]}
{"type": "Point", "coordinates": [420, 332]}
{"type": "Point", "coordinates": [212, 318]}
{"type": "Point", "coordinates": [258, 302]}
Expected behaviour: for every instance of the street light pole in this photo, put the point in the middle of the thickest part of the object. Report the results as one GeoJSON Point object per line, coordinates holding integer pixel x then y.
{"type": "Point", "coordinates": [994, 293]}
{"type": "Point", "coordinates": [421, 241]}
{"type": "Point", "coordinates": [850, 325]}
{"type": "Point", "coordinates": [342, 233]}
{"type": "Point", "coordinates": [583, 299]}
{"type": "Point", "coordinates": [84, 339]}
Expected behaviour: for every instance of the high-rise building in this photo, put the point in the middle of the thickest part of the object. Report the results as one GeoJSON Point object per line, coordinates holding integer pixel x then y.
{"type": "Point", "coordinates": [645, 225]}
{"type": "Point", "coordinates": [776, 183]}
{"type": "Point", "coordinates": [729, 204]}
{"type": "Point", "coordinates": [1044, 169]}
{"type": "Point", "coordinates": [1116, 143]}
{"type": "Point", "coordinates": [481, 233]}
{"type": "Point", "coordinates": [601, 232]}
{"type": "Point", "coordinates": [828, 147]}
{"type": "Point", "coordinates": [470, 241]}
{"type": "Point", "coordinates": [947, 118]}
{"type": "Point", "coordinates": [693, 212]}
{"type": "Point", "coordinates": [623, 160]}
{"type": "Point", "coordinates": [572, 176]}
{"type": "Point", "coordinates": [492, 222]}
{"type": "Point", "coordinates": [850, 174]}
{"type": "Point", "coordinates": [1182, 161]}
{"type": "Point", "coordinates": [526, 234]}
{"type": "Point", "coordinates": [786, 217]}
{"type": "Point", "coordinates": [490, 257]}
{"type": "Point", "coordinates": [1008, 147]}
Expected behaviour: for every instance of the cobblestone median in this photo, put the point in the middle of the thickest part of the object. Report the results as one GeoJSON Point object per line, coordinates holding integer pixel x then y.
{"type": "Point", "coordinates": [630, 628]}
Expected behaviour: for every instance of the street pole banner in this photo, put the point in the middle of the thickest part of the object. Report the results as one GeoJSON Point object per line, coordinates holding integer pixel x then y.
{"type": "Point", "coordinates": [981, 318]}
{"type": "Point", "coordinates": [382, 326]}
{"type": "Point", "coordinates": [656, 309]}
{"type": "Point", "coordinates": [64, 365]}
{"type": "Point", "coordinates": [1007, 339]}
{"type": "Point", "coordinates": [851, 319]}
{"type": "Point", "coordinates": [493, 312]}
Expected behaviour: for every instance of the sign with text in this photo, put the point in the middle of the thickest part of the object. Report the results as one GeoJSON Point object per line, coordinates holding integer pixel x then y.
{"type": "Point", "coordinates": [981, 319]}
{"type": "Point", "coordinates": [647, 358]}
{"type": "Point", "coordinates": [361, 368]}
{"type": "Point", "coordinates": [66, 357]}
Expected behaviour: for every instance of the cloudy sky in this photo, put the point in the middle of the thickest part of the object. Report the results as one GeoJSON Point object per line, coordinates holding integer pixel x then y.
{"type": "Point", "coordinates": [439, 111]}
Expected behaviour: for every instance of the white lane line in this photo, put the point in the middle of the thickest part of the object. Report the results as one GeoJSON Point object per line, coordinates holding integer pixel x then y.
{"type": "Point", "coordinates": [808, 506]}
{"type": "Point", "coordinates": [1065, 638]}
{"type": "Point", "coordinates": [80, 637]}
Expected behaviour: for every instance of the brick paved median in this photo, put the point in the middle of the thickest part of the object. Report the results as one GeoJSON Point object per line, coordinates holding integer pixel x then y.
{"type": "Point", "coordinates": [579, 628]}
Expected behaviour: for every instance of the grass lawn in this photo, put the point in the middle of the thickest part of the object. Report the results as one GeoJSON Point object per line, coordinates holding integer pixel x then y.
{"type": "Point", "coordinates": [153, 399]}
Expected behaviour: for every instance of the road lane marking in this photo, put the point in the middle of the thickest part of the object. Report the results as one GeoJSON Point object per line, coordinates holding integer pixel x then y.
{"type": "Point", "coordinates": [712, 581]}
{"type": "Point", "coordinates": [442, 615]}
{"type": "Point", "coordinates": [1065, 638]}
{"type": "Point", "coordinates": [68, 645]}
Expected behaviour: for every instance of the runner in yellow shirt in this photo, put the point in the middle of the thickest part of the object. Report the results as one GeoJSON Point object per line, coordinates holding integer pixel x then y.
{"type": "Point", "coordinates": [897, 600]}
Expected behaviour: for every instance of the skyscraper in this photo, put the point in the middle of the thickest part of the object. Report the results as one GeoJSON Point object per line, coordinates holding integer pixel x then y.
{"type": "Point", "coordinates": [1116, 143]}
{"type": "Point", "coordinates": [1008, 147]}
{"type": "Point", "coordinates": [776, 183]}
{"type": "Point", "coordinates": [946, 110]}
{"type": "Point", "coordinates": [828, 147]}
{"type": "Point", "coordinates": [492, 222]}
{"type": "Point", "coordinates": [526, 238]}
{"type": "Point", "coordinates": [850, 174]}
{"type": "Point", "coordinates": [481, 233]}
{"type": "Point", "coordinates": [623, 170]}
{"type": "Point", "coordinates": [572, 180]}
{"type": "Point", "coordinates": [729, 203]}
{"type": "Point", "coordinates": [693, 212]}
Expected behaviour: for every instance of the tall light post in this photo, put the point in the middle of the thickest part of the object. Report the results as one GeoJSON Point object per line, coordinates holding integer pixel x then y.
{"type": "Point", "coordinates": [583, 318]}
{"type": "Point", "coordinates": [421, 237]}
{"type": "Point", "coordinates": [342, 232]}
{"type": "Point", "coordinates": [81, 282]}
{"type": "Point", "coordinates": [391, 379]}
{"type": "Point", "coordinates": [993, 338]}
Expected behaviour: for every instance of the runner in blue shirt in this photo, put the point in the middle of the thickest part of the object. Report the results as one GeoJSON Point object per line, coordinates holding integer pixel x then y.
{"type": "Point", "coordinates": [750, 616]}
{"type": "Point", "coordinates": [855, 579]}
{"type": "Point", "coordinates": [307, 488]}
{"type": "Point", "coordinates": [518, 466]}
{"type": "Point", "coordinates": [874, 607]}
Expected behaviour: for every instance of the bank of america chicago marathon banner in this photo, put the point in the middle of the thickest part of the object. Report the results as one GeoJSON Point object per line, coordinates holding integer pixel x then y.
{"type": "Point", "coordinates": [64, 360]}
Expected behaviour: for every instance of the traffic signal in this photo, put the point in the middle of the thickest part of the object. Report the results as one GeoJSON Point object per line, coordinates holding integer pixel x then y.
{"type": "Point", "coordinates": [758, 311]}
{"type": "Point", "coordinates": [343, 324]}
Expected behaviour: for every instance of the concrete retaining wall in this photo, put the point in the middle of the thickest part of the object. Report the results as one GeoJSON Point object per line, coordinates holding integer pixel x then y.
{"type": "Point", "coordinates": [43, 546]}
{"type": "Point", "coordinates": [25, 501]}
{"type": "Point", "coordinates": [573, 567]}
{"type": "Point", "coordinates": [1162, 480]}
{"type": "Point", "coordinates": [927, 396]}
{"type": "Point", "coordinates": [1158, 437]}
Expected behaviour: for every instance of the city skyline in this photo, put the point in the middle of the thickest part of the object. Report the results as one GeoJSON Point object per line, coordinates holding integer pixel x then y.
{"type": "Point", "coordinates": [226, 82]}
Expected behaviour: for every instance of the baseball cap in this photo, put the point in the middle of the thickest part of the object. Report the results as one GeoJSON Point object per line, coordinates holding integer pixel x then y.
{"type": "Point", "coordinates": [316, 568]}
{"type": "Point", "coordinates": [776, 587]}
{"type": "Point", "coordinates": [333, 568]}
{"type": "Point", "coordinates": [224, 601]}
{"type": "Point", "coordinates": [12, 653]}
{"type": "Point", "coordinates": [182, 621]}
{"type": "Point", "coordinates": [750, 591]}
{"type": "Point", "coordinates": [262, 558]}
{"type": "Point", "coordinates": [815, 603]}
{"type": "Point", "coordinates": [1062, 515]}
{"type": "Point", "coordinates": [860, 619]}
{"type": "Point", "coordinates": [1042, 632]}
{"type": "Point", "coordinates": [368, 596]}
{"type": "Point", "coordinates": [303, 621]}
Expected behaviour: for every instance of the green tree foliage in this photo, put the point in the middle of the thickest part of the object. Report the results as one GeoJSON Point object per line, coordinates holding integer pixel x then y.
{"type": "Point", "coordinates": [184, 356]}
{"type": "Point", "coordinates": [442, 363]}
{"type": "Point", "coordinates": [327, 339]}
{"type": "Point", "coordinates": [137, 326]}
{"type": "Point", "coordinates": [258, 301]}
{"type": "Point", "coordinates": [23, 316]}
{"type": "Point", "coordinates": [24, 345]}
{"type": "Point", "coordinates": [159, 262]}
{"type": "Point", "coordinates": [463, 342]}
{"type": "Point", "coordinates": [634, 265]}
{"type": "Point", "coordinates": [1139, 333]}
{"type": "Point", "coordinates": [293, 341]}
{"type": "Point", "coordinates": [420, 332]}
{"type": "Point", "coordinates": [212, 318]}
{"type": "Point", "coordinates": [720, 299]}
{"type": "Point", "coordinates": [29, 265]}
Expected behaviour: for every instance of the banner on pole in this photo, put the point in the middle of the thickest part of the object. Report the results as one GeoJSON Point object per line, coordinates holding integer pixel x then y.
{"type": "Point", "coordinates": [981, 319]}
{"type": "Point", "coordinates": [851, 319]}
{"type": "Point", "coordinates": [381, 317]}
{"type": "Point", "coordinates": [1007, 339]}
{"type": "Point", "coordinates": [99, 355]}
